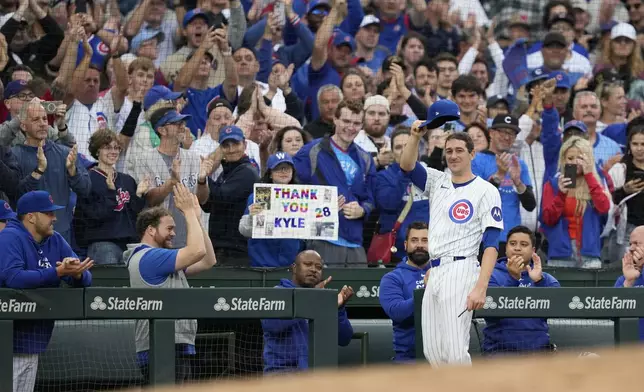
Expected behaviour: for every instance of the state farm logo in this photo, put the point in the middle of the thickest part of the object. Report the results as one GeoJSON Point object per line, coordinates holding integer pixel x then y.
{"type": "Point", "coordinates": [221, 305]}
{"type": "Point", "coordinates": [602, 303]}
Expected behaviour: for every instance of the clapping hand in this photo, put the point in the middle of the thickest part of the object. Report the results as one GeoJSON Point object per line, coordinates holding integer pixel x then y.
{"type": "Point", "coordinates": [183, 199]}
{"type": "Point", "coordinates": [42, 159]}
{"type": "Point", "coordinates": [515, 170]}
{"type": "Point", "coordinates": [344, 295]}
{"type": "Point", "coordinates": [205, 168]}
{"type": "Point", "coordinates": [352, 210]}
{"type": "Point", "coordinates": [322, 284]}
{"type": "Point", "coordinates": [536, 270]}
{"type": "Point", "coordinates": [503, 161]}
{"type": "Point", "coordinates": [175, 170]}
{"type": "Point", "coordinates": [143, 186]}
{"type": "Point", "coordinates": [73, 267]}
{"type": "Point", "coordinates": [71, 161]}
{"type": "Point", "coordinates": [110, 178]}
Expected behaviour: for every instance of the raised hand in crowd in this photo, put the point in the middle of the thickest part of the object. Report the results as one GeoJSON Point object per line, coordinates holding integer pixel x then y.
{"type": "Point", "coordinates": [4, 52]}
{"type": "Point", "coordinates": [503, 161]}
{"type": "Point", "coordinates": [515, 171]}
{"type": "Point", "coordinates": [221, 39]}
{"type": "Point", "coordinates": [183, 199]}
{"type": "Point", "coordinates": [385, 156]}
{"type": "Point", "coordinates": [535, 272]}
{"type": "Point", "coordinates": [206, 167]}
{"type": "Point", "coordinates": [61, 121]}
{"type": "Point", "coordinates": [175, 170]}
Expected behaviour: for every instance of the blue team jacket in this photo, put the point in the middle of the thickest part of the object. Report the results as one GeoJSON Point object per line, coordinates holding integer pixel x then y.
{"type": "Point", "coordinates": [397, 299]}
{"type": "Point", "coordinates": [516, 334]}
{"type": "Point", "coordinates": [317, 164]}
{"type": "Point", "coordinates": [391, 189]}
{"type": "Point", "coordinates": [28, 265]}
{"type": "Point", "coordinates": [286, 342]}
{"type": "Point", "coordinates": [638, 283]}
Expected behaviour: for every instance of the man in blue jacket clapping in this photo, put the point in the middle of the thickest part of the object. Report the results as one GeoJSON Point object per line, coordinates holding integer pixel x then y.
{"type": "Point", "coordinates": [521, 268]}
{"type": "Point", "coordinates": [36, 256]}
{"type": "Point", "coordinates": [286, 342]}
{"type": "Point", "coordinates": [397, 291]}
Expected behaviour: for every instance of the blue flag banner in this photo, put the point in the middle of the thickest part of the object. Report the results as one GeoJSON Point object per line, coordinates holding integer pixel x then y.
{"type": "Point", "coordinates": [515, 64]}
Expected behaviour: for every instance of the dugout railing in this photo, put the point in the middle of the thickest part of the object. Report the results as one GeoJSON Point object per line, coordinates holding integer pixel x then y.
{"type": "Point", "coordinates": [623, 306]}
{"type": "Point", "coordinates": [162, 307]}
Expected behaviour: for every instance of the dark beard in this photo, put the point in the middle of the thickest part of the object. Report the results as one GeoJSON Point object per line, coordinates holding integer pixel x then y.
{"type": "Point", "coordinates": [377, 133]}
{"type": "Point", "coordinates": [418, 257]}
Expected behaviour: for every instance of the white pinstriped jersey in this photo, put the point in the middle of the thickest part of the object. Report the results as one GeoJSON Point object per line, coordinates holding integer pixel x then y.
{"type": "Point", "coordinates": [459, 215]}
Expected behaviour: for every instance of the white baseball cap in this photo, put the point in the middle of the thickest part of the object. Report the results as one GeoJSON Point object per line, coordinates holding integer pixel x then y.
{"type": "Point", "coordinates": [376, 100]}
{"type": "Point", "coordinates": [623, 30]}
{"type": "Point", "coordinates": [369, 20]}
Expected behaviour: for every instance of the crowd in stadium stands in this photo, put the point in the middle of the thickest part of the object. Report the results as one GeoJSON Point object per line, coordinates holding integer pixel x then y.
{"type": "Point", "coordinates": [114, 107]}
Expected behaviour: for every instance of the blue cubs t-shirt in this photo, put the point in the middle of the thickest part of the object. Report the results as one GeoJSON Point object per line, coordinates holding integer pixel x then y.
{"type": "Point", "coordinates": [484, 166]}
{"type": "Point", "coordinates": [350, 169]}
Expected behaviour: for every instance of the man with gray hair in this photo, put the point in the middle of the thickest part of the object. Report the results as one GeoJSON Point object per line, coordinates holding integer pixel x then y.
{"type": "Point", "coordinates": [372, 137]}
{"type": "Point", "coordinates": [18, 94]}
{"type": "Point", "coordinates": [328, 98]}
{"type": "Point", "coordinates": [45, 165]}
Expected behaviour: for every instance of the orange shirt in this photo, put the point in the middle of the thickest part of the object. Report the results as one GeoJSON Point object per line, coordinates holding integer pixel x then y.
{"type": "Point", "coordinates": [574, 222]}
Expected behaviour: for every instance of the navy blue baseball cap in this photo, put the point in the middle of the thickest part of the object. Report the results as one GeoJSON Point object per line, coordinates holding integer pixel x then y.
{"type": "Point", "coordinates": [5, 211]}
{"type": "Point", "coordinates": [279, 158]}
{"type": "Point", "coordinates": [170, 117]}
{"type": "Point", "coordinates": [231, 132]}
{"type": "Point", "coordinates": [341, 38]}
{"type": "Point", "coordinates": [575, 124]}
{"type": "Point", "coordinates": [14, 88]}
{"type": "Point", "coordinates": [190, 15]}
{"type": "Point", "coordinates": [37, 201]}
{"type": "Point", "coordinates": [563, 81]}
{"type": "Point", "coordinates": [157, 93]}
{"type": "Point", "coordinates": [318, 3]}
{"type": "Point", "coordinates": [440, 112]}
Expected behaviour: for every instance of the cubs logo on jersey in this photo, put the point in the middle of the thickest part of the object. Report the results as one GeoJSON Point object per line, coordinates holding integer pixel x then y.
{"type": "Point", "coordinates": [101, 119]}
{"type": "Point", "coordinates": [461, 211]}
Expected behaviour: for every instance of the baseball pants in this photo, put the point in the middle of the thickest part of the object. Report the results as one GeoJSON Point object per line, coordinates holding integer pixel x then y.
{"type": "Point", "coordinates": [446, 336]}
{"type": "Point", "coordinates": [25, 367]}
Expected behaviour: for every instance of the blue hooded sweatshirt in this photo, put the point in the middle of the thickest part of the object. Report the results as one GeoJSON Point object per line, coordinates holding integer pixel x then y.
{"type": "Point", "coordinates": [27, 264]}
{"type": "Point", "coordinates": [638, 283]}
{"type": "Point", "coordinates": [391, 192]}
{"type": "Point", "coordinates": [286, 342]}
{"type": "Point", "coordinates": [503, 335]}
{"type": "Point", "coordinates": [317, 163]}
{"type": "Point", "coordinates": [397, 299]}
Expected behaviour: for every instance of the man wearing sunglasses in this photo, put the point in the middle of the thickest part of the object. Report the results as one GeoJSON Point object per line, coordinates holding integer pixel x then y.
{"type": "Point", "coordinates": [17, 94]}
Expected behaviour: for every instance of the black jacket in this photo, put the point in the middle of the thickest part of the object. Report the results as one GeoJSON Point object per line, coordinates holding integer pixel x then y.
{"type": "Point", "coordinates": [227, 202]}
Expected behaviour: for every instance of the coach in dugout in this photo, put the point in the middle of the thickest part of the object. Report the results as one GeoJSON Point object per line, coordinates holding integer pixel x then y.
{"type": "Point", "coordinates": [397, 291]}
{"type": "Point", "coordinates": [521, 268]}
{"type": "Point", "coordinates": [286, 342]}
{"type": "Point", "coordinates": [632, 264]}
{"type": "Point", "coordinates": [153, 263]}
{"type": "Point", "coordinates": [36, 256]}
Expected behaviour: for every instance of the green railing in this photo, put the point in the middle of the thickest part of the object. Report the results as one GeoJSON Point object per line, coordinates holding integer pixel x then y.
{"type": "Point", "coordinates": [365, 281]}
{"type": "Point", "coordinates": [623, 306]}
{"type": "Point", "coordinates": [162, 307]}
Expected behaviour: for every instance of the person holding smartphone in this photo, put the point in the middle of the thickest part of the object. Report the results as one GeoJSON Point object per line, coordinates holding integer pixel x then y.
{"type": "Point", "coordinates": [575, 205]}
{"type": "Point", "coordinates": [628, 179]}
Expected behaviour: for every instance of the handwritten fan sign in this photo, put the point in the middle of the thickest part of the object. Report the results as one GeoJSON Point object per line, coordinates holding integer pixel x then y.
{"type": "Point", "coordinates": [296, 211]}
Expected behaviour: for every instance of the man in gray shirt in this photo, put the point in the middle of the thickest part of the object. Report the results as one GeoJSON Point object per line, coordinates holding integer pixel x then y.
{"type": "Point", "coordinates": [153, 263]}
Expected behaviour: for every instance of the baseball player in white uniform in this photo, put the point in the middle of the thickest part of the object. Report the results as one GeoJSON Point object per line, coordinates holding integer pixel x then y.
{"type": "Point", "coordinates": [465, 211]}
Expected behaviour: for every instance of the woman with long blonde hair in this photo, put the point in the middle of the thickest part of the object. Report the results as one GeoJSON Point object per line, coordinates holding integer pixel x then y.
{"type": "Point", "coordinates": [574, 210]}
